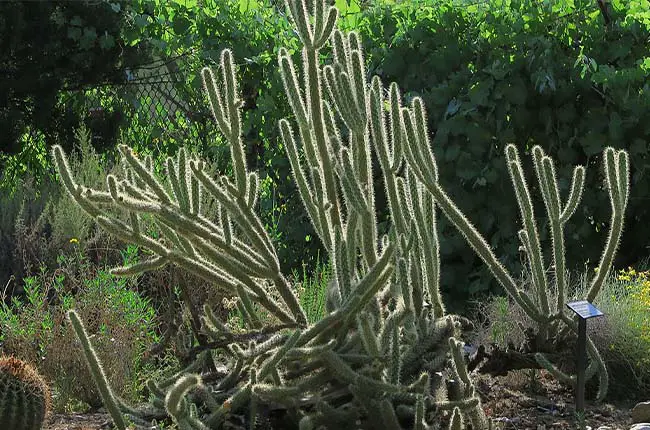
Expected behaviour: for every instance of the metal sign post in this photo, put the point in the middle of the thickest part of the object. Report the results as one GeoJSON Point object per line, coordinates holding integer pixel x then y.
{"type": "Point", "coordinates": [584, 310]}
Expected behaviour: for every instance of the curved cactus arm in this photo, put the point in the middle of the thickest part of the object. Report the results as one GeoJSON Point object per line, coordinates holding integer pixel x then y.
{"type": "Point", "coordinates": [554, 370]}
{"type": "Point", "coordinates": [388, 156]}
{"type": "Point", "coordinates": [312, 124]}
{"type": "Point", "coordinates": [456, 422]}
{"type": "Point", "coordinates": [367, 287]}
{"type": "Point", "coordinates": [178, 408]}
{"type": "Point", "coordinates": [342, 267]}
{"type": "Point", "coordinates": [243, 215]}
{"type": "Point", "coordinates": [597, 365]}
{"type": "Point", "coordinates": [317, 216]}
{"type": "Point", "coordinates": [347, 85]}
{"type": "Point", "coordinates": [423, 210]}
{"type": "Point", "coordinates": [617, 176]}
{"type": "Point", "coordinates": [97, 371]}
{"type": "Point", "coordinates": [414, 151]}
{"type": "Point", "coordinates": [343, 372]}
{"type": "Point", "coordinates": [558, 215]}
{"type": "Point", "coordinates": [575, 193]}
{"type": "Point", "coordinates": [368, 336]}
{"type": "Point", "coordinates": [416, 139]}
{"type": "Point", "coordinates": [287, 396]}
{"type": "Point", "coordinates": [360, 200]}
{"type": "Point", "coordinates": [140, 267]}
{"type": "Point", "coordinates": [533, 246]}
{"type": "Point", "coordinates": [225, 103]}
{"type": "Point", "coordinates": [473, 411]}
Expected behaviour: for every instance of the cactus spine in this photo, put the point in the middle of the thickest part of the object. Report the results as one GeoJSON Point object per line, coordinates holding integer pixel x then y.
{"type": "Point", "coordinates": [24, 396]}
{"type": "Point", "coordinates": [387, 342]}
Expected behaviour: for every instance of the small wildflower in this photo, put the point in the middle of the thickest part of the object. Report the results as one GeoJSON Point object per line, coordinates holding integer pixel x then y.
{"type": "Point", "coordinates": [74, 240]}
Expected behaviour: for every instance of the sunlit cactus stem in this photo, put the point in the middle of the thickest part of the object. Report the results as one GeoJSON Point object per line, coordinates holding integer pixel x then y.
{"type": "Point", "coordinates": [97, 371]}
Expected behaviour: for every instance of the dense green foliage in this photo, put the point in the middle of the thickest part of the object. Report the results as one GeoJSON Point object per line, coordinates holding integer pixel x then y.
{"type": "Point", "coordinates": [546, 73]}
{"type": "Point", "coordinates": [48, 49]}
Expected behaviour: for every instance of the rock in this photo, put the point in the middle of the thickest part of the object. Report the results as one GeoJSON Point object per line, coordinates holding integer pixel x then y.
{"type": "Point", "coordinates": [641, 413]}
{"type": "Point", "coordinates": [641, 426]}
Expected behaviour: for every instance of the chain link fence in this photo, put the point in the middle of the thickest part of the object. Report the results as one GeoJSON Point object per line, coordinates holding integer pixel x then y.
{"type": "Point", "coordinates": [156, 108]}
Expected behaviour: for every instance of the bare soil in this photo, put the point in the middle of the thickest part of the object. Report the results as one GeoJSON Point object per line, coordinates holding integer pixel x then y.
{"type": "Point", "coordinates": [515, 402]}
{"type": "Point", "coordinates": [519, 401]}
{"type": "Point", "coordinates": [87, 421]}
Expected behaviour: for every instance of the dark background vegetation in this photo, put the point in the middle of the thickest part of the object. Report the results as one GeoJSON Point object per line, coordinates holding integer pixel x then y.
{"type": "Point", "coordinates": [568, 75]}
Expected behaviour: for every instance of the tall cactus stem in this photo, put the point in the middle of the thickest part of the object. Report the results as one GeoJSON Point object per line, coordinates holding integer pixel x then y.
{"type": "Point", "coordinates": [97, 371]}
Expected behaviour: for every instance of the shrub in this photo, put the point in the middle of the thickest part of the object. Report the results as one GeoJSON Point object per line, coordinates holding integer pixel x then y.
{"type": "Point", "coordinates": [121, 322]}
{"type": "Point", "coordinates": [37, 221]}
{"type": "Point", "coordinates": [622, 335]}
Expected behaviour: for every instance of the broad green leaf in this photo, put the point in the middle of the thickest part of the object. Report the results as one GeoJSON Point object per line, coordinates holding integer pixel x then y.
{"type": "Point", "coordinates": [142, 20]}
{"type": "Point", "coordinates": [593, 143]}
{"type": "Point", "coordinates": [88, 38]}
{"type": "Point", "coordinates": [106, 41]}
{"type": "Point", "coordinates": [639, 147]}
{"type": "Point", "coordinates": [181, 24]}
{"type": "Point", "coordinates": [452, 152]}
{"type": "Point", "coordinates": [74, 33]}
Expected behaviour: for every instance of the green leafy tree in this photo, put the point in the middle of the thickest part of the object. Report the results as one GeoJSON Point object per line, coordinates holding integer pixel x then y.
{"type": "Point", "coordinates": [52, 47]}
{"type": "Point", "coordinates": [537, 73]}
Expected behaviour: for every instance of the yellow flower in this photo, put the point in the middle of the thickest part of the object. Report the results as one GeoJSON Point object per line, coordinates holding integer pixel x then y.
{"type": "Point", "coordinates": [74, 240]}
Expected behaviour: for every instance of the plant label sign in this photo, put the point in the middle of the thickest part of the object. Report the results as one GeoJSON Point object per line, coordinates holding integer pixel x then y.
{"type": "Point", "coordinates": [584, 309]}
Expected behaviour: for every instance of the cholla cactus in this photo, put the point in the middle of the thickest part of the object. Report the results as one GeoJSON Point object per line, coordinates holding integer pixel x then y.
{"type": "Point", "coordinates": [382, 355]}
{"type": "Point", "coordinates": [553, 323]}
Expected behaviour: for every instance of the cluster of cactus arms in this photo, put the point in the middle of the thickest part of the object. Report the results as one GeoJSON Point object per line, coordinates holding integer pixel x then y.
{"type": "Point", "coordinates": [386, 354]}
{"type": "Point", "coordinates": [553, 324]}
{"type": "Point", "coordinates": [24, 396]}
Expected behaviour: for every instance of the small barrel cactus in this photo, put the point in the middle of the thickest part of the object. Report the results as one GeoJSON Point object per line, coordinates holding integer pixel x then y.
{"type": "Point", "coordinates": [24, 396]}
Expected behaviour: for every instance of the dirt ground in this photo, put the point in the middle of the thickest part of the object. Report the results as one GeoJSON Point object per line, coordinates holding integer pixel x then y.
{"type": "Point", "coordinates": [90, 421]}
{"type": "Point", "coordinates": [520, 402]}
{"type": "Point", "coordinates": [515, 402]}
